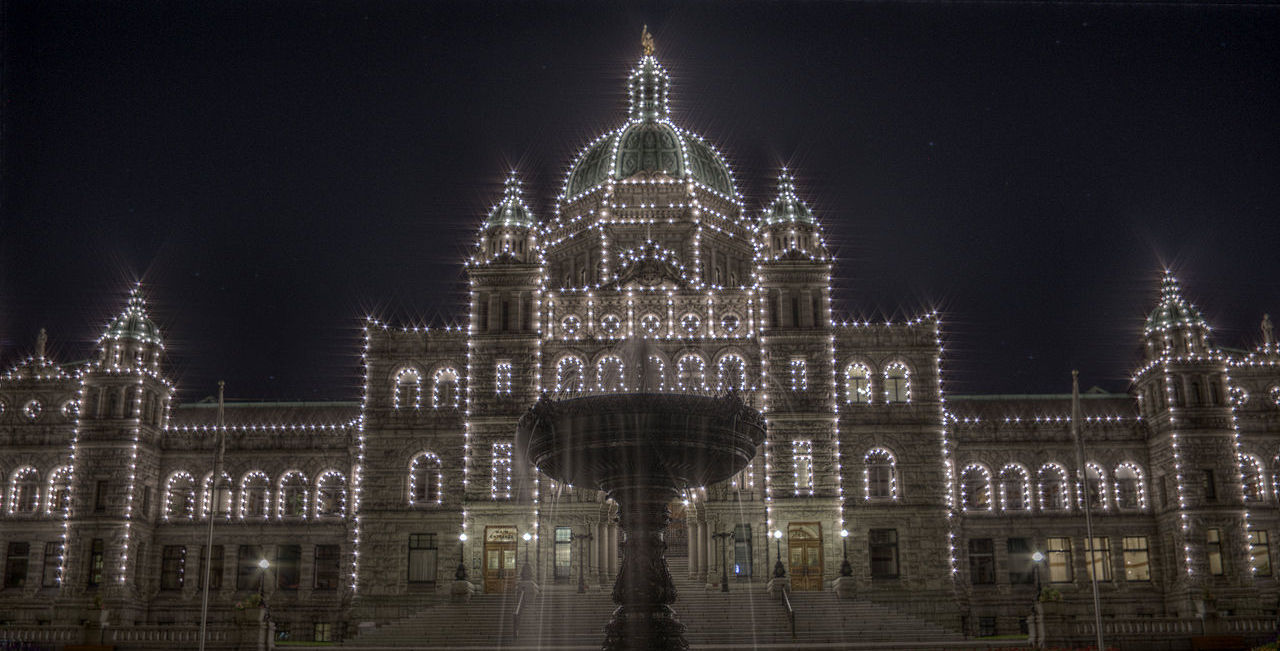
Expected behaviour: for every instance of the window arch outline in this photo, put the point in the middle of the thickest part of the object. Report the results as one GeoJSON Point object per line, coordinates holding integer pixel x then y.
{"type": "Point", "coordinates": [724, 378]}
{"type": "Point", "coordinates": [879, 458]}
{"type": "Point", "coordinates": [1104, 488]}
{"type": "Point", "coordinates": [1253, 478]}
{"type": "Point", "coordinates": [255, 480]}
{"type": "Point", "coordinates": [57, 496]}
{"type": "Point", "coordinates": [179, 504]}
{"type": "Point", "coordinates": [289, 502]}
{"type": "Point", "coordinates": [445, 388]}
{"type": "Point", "coordinates": [1120, 493]}
{"type": "Point", "coordinates": [327, 495]}
{"type": "Point", "coordinates": [897, 383]}
{"type": "Point", "coordinates": [981, 499]}
{"type": "Point", "coordinates": [1044, 488]}
{"type": "Point", "coordinates": [206, 496]}
{"type": "Point", "coordinates": [570, 374]}
{"type": "Point", "coordinates": [857, 388]}
{"type": "Point", "coordinates": [611, 374]}
{"type": "Point", "coordinates": [432, 476]}
{"type": "Point", "coordinates": [407, 389]}
{"type": "Point", "coordinates": [691, 373]}
{"type": "Point", "coordinates": [1023, 482]}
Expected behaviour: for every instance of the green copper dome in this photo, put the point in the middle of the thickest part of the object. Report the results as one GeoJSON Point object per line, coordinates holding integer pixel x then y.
{"type": "Point", "coordinates": [648, 142]}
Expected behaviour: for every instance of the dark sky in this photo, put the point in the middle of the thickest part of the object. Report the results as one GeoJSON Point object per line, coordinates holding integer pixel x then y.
{"type": "Point", "coordinates": [275, 171]}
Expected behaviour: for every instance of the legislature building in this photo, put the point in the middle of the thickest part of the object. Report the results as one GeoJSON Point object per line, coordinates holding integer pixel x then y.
{"type": "Point", "coordinates": [965, 513]}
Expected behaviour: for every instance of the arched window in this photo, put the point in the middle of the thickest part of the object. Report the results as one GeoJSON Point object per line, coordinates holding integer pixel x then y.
{"type": "Point", "coordinates": [58, 496]}
{"type": "Point", "coordinates": [331, 494]}
{"type": "Point", "coordinates": [255, 495]}
{"type": "Point", "coordinates": [426, 480]}
{"type": "Point", "coordinates": [1054, 488]}
{"type": "Point", "coordinates": [24, 491]}
{"type": "Point", "coordinates": [1131, 494]}
{"type": "Point", "coordinates": [180, 497]}
{"type": "Point", "coordinates": [292, 495]}
{"type": "Point", "coordinates": [857, 384]}
{"type": "Point", "coordinates": [569, 376]}
{"type": "Point", "coordinates": [1015, 488]}
{"type": "Point", "coordinates": [408, 389]}
{"type": "Point", "coordinates": [609, 374]}
{"type": "Point", "coordinates": [975, 488]}
{"type": "Point", "coordinates": [223, 502]}
{"type": "Point", "coordinates": [444, 389]}
{"type": "Point", "coordinates": [731, 373]}
{"type": "Point", "coordinates": [691, 373]}
{"type": "Point", "coordinates": [897, 383]}
{"type": "Point", "coordinates": [880, 474]}
{"type": "Point", "coordinates": [1096, 489]}
{"type": "Point", "coordinates": [1255, 489]}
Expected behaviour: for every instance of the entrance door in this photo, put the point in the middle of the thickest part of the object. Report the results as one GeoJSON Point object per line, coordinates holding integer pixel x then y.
{"type": "Point", "coordinates": [804, 539]}
{"type": "Point", "coordinates": [677, 531]}
{"type": "Point", "coordinates": [499, 559]}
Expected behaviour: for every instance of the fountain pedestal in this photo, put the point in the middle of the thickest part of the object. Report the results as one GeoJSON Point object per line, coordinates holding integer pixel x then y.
{"type": "Point", "coordinates": [642, 449]}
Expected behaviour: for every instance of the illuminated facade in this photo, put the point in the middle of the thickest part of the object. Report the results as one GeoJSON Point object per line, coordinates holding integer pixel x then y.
{"type": "Point", "coordinates": [361, 507]}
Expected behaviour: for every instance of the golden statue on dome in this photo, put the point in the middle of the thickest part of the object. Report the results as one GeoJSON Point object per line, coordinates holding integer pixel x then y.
{"type": "Point", "coordinates": [646, 41]}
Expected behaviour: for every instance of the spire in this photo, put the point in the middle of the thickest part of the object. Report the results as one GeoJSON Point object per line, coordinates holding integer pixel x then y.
{"type": "Point", "coordinates": [787, 207]}
{"type": "Point", "coordinates": [511, 210]}
{"type": "Point", "coordinates": [648, 87]}
{"type": "Point", "coordinates": [1173, 311]}
{"type": "Point", "coordinates": [41, 340]}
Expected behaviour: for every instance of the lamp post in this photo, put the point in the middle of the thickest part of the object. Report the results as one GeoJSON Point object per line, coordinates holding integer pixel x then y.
{"type": "Point", "coordinates": [582, 560]}
{"type": "Point", "coordinates": [526, 573]}
{"type": "Point", "coordinates": [461, 573]}
{"type": "Point", "coordinates": [846, 569]}
{"type": "Point", "coordinates": [1037, 610]}
{"type": "Point", "coordinates": [1038, 557]}
{"type": "Point", "coordinates": [264, 565]}
{"type": "Point", "coordinates": [779, 570]}
{"type": "Point", "coordinates": [724, 568]}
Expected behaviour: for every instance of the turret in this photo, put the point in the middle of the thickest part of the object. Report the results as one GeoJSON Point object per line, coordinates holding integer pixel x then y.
{"type": "Point", "coordinates": [1175, 327]}
{"type": "Point", "coordinates": [788, 229]}
{"type": "Point", "coordinates": [510, 232]}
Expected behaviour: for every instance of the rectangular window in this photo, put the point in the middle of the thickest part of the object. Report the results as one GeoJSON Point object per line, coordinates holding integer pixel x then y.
{"type": "Point", "coordinates": [506, 315]}
{"type": "Point", "coordinates": [1209, 486]}
{"type": "Point", "coordinates": [248, 575]}
{"type": "Point", "coordinates": [982, 561]}
{"type": "Point", "coordinates": [564, 553]}
{"type": "Point", "coordinates": [502, 378]}
{"type": "Point", "coordinates": [883, 547]}
{"type": "Point", "coordinates": [52, 559]}
{"type": "Point", "coordinates": [500, 479]}
{"type": "Point", "coordinates": [802, 463]}
{"type": "Point", "coordinates": [1213, 547]}
{"type": "Point", "coordinates": [288, 567]}
{"type": "Point", "coordinates": [100, 496]}
{"type": "Point", "coordinates": [1020, 564]}
{"type": "Point", "coordinates": [15, 564]}
{"type": "Point", "coordinates": [97, 548]}
{"type": "Point", "coordinates": [1059, 559]}
{"type": "Point", "coordinates": [1137, 565]}
{"type": "Point", "coordinates": [799, 374]}
{"type": "Point", "coordinates": [1099, 552]}
{"type": "Point", "coordinates": [1260, 552]}
{"type": "Point", "coordinates": [742, 551]}
{"type": "Point", "coordinates": [146, 502]}
{"type": "Point", "coordinates": [322, 632]}
{"type": "Point", "coordinates": [215, 568]}
{"type": "Point", "coordinates": [173, 565]}
{"type": "Point", "coordinates": [423, 555]}
{"type": "Point", "coordinates": [327, 557]}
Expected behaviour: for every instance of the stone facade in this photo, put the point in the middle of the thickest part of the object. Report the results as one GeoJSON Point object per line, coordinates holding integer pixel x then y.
{"type": "Point", "coordinates": [361, 507]}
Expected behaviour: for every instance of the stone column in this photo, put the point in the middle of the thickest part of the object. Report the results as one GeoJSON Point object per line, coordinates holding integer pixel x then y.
{"type": "Point", "coordinates": [613, 550]}
{"type": "Point", "coordinates": [704, 530]}
{"type": "Point", "coordinates": [694, 558]}
{"type": "Point", "coordinates": [602, 552]}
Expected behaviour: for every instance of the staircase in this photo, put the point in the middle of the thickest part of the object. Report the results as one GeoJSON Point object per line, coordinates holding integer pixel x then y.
{"type": "Point", "coordinates": [743, 618]}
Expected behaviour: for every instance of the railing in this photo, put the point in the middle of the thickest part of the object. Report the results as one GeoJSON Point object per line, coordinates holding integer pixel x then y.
{"type": "Point", "coordinates": [515, 617]}
{"type": "Point", "coordinates": [39, 634]}
{"type": "Point", "coordinates": [167, 634]}
{"type": "Point", "coordinates": [791, 612]}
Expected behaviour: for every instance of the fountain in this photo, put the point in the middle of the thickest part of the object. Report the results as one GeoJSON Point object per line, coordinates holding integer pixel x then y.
{"type": "Point", "coordinates": [642, 449]}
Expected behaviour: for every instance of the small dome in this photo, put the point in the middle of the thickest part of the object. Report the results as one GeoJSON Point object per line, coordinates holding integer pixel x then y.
{"type": "Point", "coordinates": [511, 210]}
{"type": "Point", "coordinates": [787, 207]}
{"type": "Point", "coordinates": [648, 142]}
{"type": "Point", "coordinates": [1173, 311]}
{"type": "Point", "coordinates": [134, 324]}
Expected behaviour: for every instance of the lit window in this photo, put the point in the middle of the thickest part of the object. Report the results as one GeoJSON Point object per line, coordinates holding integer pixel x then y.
{"type": "Point", "coordinates": [255, 495]}
{"type": "Point", "coordinates": [1136, 561]}
{"type": "Point", "coordinates": [24, 491]}
{"type": "Point", "coordinates": [180, 497]}
{"type": "Point", "coordinates": [1098, 550]}
{"type": "Point", "coordinates": [1130, 492]}
{"type": "Point", "coordinates": [975, 488]}
{"type": "Point", "coordinates": [1255, 487]}
{"type": "Point", "coordinates": [500, 479]}
{"type": "Point", "coordinates": [802, 462]}
{"type": "Point", "coordinates": [799, 374]}
{"type": "Point", "coordinates": [408, 390]}
{"type": "Point", "coordinates": [224, 496]}
{"type": "Point", "coordinates": [1213, 551]}
{"type": "Point", "coordinates": [897, 383]}
{"type": "Point", "coordinates": [426, 480]}
{"type": "Point", "coordinates": [292, 496]}
{"type": "Point", "coordinates": [857, 385]}
{"type": "Point", "coordinates": [880, 474]}
{"type": "Point", "coordinates": [444, 389]}
{"type": "Point", "coordinates": [1059, 558]}
{"type": "Point", "coordinates": [58, 496]}
{"type": "Point", "coordinates": [331, 494]}
{"type": "Point", "coordinates": [502, 378]}
{"type": "Point", "coordinates": [1260, 552]}
{"type": "Point", "coordinates": [1014, 489]}
{"type": "Point", "coordinates": [1095, 486]}
{"type": "Point", "coordinates": [1054, 495]}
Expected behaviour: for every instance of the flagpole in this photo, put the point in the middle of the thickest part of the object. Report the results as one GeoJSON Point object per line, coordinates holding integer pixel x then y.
{"type": "Point", "coordinates": [1088, 516]}
{"type": "Point", "coordinates": [214, 498]}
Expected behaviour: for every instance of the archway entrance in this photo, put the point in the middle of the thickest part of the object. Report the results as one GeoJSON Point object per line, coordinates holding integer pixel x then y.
{"type": "Point", "coordinates": [499, 559]}
{"type": "Point", "coordinates": [804, 540]}
{"type": "Point", "coordinates": [678, 531]}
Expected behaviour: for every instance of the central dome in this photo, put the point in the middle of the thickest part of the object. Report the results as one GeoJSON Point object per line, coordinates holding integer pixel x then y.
{"type": "Point", "coordinates": [648, 143]}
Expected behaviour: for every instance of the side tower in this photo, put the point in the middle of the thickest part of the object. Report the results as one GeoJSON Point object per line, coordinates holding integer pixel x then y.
{"type": "Point", "coordinates": [124, 400]}
{"type": "Point", "coordinates": [797, 384]}
{"type": "Point", "coordinates": [1183, 391]}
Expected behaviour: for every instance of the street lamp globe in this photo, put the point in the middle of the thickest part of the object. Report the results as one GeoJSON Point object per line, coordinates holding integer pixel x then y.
{"type": "Point", "coordinates": [1037, 557]}
{"type": "Point", "coordinates": [844, 533]}
{"type": "Point", "coordinates": [462, 536]}
{"type": "Point", "coordinates": [264, 564]}
{"type": "Point", "coordinates": [527, 536]}
{"type": "Point", "coordinates": [777, 533]}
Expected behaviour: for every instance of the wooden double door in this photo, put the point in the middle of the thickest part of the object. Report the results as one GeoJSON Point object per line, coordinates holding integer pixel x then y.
{"type": "Point", "coordinates": [499, 559]}
{"type": "Point", "coordinates": [804, 540]}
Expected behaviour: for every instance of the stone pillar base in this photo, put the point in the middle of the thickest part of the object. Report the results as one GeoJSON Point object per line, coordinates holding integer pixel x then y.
{"type": "Point", "coordinates": [779, 585]}
{"type": "Point", "coordinates": [843, 587]}
{"type": "Point", "coordinates": [461, 591]}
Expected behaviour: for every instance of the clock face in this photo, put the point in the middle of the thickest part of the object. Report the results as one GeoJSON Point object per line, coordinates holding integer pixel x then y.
{"type": "Point", "coordinates": [651, 324]}
{"type": "Point", "coordinates": [32, 409]}
{"type": "Point", "coordinates": [690, 323]}
{"type": "Point", "coordinates": [610, 324]}
{"type": "Point", "coordinates": [730, 323]}
{"type": "Point", "coordinates": [571, 324]}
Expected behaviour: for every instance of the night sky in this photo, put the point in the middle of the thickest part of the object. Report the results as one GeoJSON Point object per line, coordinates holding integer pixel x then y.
{"type": "Point", "coordinates": [273, 172]}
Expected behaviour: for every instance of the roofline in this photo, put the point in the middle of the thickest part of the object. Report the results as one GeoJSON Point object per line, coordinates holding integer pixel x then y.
{"type": "Point", "coordinates": [214, 405]}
